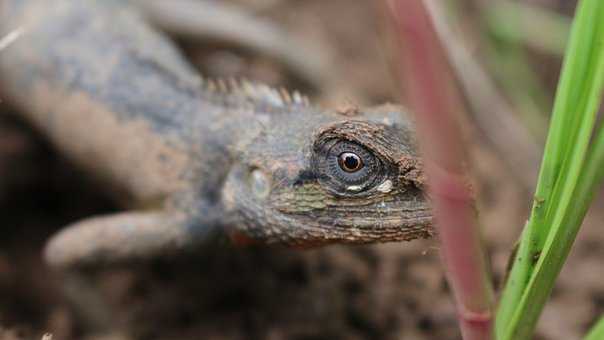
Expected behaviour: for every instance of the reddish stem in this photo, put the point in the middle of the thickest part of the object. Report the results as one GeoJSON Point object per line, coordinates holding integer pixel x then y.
{"type": "Point", "coordinates": [436, 103]}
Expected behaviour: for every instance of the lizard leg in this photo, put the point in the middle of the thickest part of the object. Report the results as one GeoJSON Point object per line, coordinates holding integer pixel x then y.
{"type": "Point", "coordinates": [218, 21]}
{"type": "Point", "coordinates": [125, 237]}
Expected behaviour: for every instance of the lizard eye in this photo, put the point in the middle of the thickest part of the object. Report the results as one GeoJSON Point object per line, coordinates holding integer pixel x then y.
{"type": "Point", "coordinates": [349, 167]}
{"type": "Point", "coordinates": [350, 162]}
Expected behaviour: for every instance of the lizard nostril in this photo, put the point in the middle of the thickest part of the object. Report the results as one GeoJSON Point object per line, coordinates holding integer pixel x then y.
{"type": "Point", "coordinates": [259, 183]}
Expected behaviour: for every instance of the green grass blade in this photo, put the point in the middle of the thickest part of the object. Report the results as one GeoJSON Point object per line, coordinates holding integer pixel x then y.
{"type": "Point", "coordinates": [553, 223]}
{"type": "Point", "coordinates": [597, 331]}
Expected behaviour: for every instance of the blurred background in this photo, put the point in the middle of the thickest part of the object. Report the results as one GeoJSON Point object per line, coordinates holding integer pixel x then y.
{"type": "Point", "coordinates": [506, 55]}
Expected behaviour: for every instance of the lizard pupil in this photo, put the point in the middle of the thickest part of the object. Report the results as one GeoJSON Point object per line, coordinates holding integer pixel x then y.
{"type": "Point", "coordinates": [350, 162]}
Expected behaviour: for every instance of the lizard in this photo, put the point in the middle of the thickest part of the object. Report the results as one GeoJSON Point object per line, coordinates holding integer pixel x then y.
{"type": "Point", "coordinates": [192, 157]}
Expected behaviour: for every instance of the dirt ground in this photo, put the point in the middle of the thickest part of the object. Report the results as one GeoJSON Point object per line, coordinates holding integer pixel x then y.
{"type": "Point", "coordinates": [392, 291]}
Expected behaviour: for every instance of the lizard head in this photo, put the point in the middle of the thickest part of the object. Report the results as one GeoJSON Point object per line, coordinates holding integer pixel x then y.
{"type": "Point", "coordinates": [315, 178]}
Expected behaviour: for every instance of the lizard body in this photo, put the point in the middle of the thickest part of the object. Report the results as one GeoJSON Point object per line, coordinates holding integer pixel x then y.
{"type": "Point", "coordinates": [203, 156]}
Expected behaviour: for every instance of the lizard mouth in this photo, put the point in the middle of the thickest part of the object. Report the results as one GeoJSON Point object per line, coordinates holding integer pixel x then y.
{"type": "Point", "coordinates": [352, 230]}
{"type": "Point", "coordinates": [356, 222]}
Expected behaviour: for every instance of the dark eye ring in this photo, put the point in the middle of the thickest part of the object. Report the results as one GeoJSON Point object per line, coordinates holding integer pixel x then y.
{"type": "Point", "coordinates": [347, 167]}
{"type": "Point", "coordinates": [350, 162]}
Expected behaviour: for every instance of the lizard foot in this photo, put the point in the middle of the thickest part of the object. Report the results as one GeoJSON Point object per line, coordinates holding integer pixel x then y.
{"type": "Point", "coordinates": [121, 237]}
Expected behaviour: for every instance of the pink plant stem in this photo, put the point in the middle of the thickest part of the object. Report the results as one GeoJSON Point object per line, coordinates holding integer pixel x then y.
{"type": "Point", "coordinates": [436, 103]}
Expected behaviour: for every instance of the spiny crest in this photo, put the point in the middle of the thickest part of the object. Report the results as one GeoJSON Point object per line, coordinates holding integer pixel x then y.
{"type": "Point", "coordinates": [256, 92]}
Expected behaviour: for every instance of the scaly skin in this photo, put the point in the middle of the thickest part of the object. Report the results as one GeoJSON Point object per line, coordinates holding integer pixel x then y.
{"type": "Point", "coordinates": [206, 157]}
